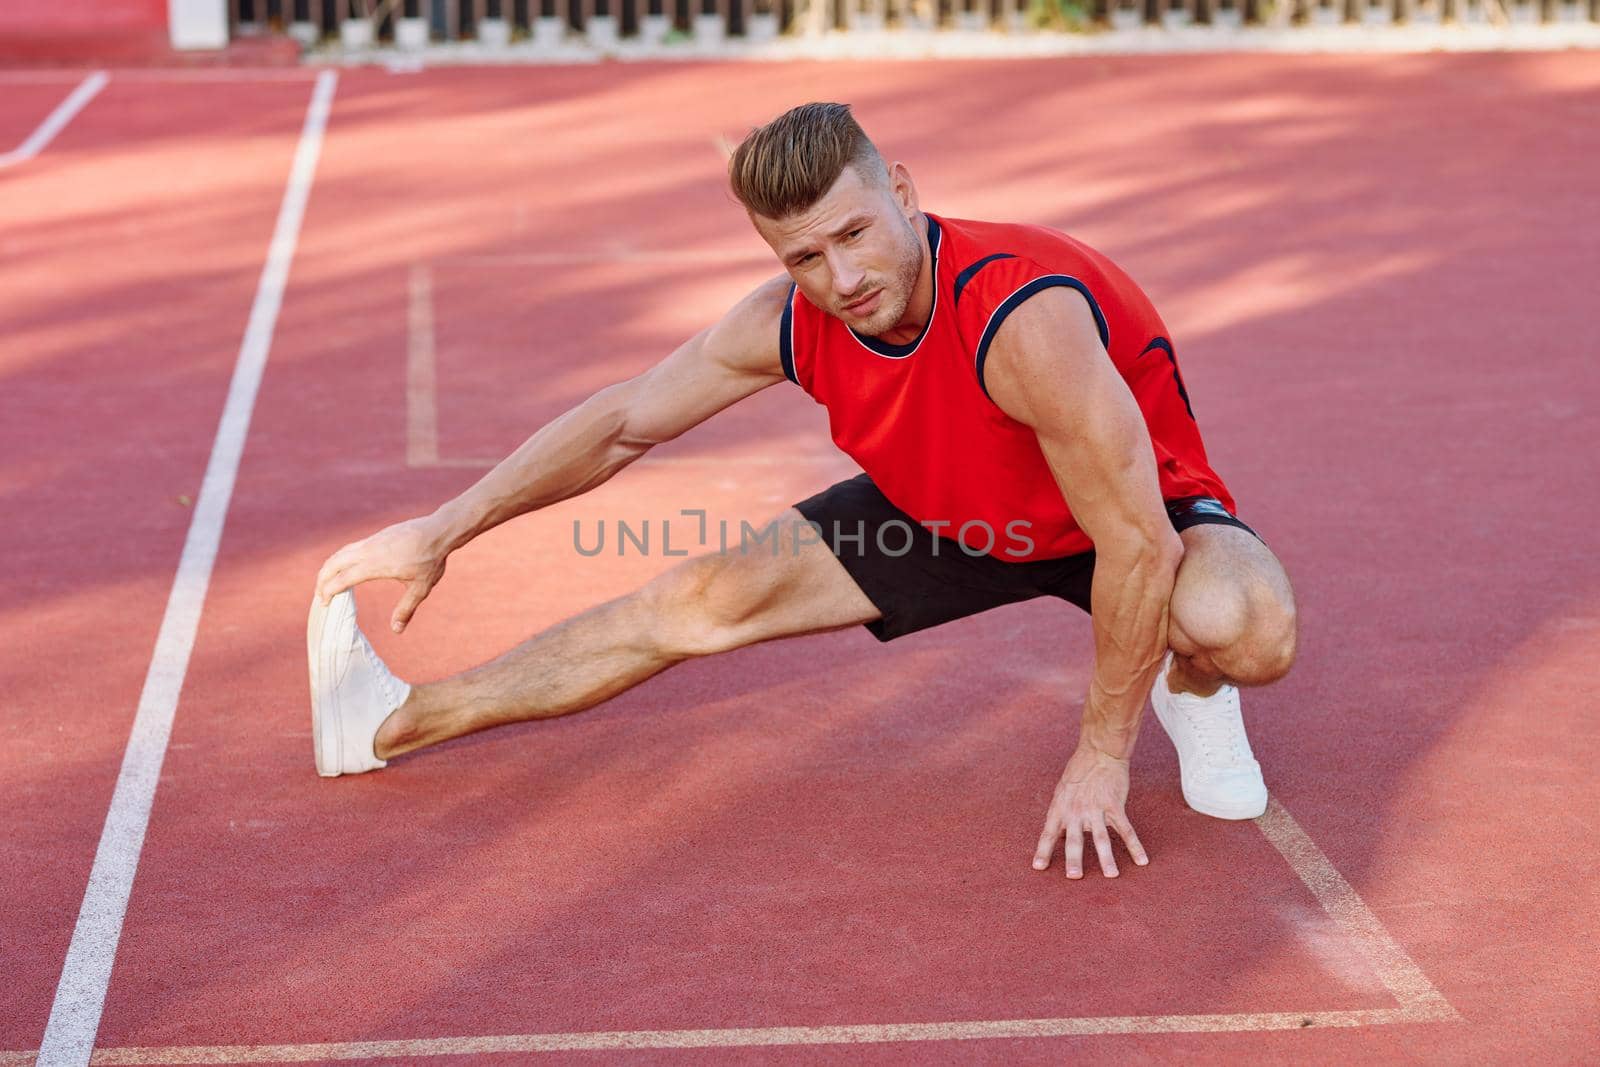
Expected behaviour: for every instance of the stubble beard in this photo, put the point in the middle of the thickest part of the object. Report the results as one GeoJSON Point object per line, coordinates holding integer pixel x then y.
{"type": "Point", "coordinates": [896, 295]}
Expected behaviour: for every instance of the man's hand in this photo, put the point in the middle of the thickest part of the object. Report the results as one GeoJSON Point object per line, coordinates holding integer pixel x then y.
{"type": "Point", "coordinates": [412, 552]}
{"type": "Point", "coordinates": [1092, 794]}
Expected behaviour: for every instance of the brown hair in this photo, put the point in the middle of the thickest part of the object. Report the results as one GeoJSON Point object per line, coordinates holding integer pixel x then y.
{"type": "Point", "coordinates": [787, 165]}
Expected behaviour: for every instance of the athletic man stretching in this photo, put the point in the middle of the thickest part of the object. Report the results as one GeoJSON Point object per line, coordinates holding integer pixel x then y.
{"type": "Point", "coordinates": [1016, 405]}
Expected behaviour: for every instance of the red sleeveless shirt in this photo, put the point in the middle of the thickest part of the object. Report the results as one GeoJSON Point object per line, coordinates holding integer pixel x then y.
{"type": "Point", "coordinates": [919, 421]}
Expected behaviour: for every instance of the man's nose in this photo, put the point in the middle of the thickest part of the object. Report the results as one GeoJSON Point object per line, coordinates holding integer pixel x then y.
{"type": "Point", "coordinates": [847, 275]}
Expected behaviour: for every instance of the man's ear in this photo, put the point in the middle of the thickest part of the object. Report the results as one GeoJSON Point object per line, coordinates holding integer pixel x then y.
{"type": "Point", "coordinates": [903, 189]}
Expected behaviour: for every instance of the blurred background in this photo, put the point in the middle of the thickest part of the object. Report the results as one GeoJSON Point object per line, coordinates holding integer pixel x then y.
{"type": "Point", "coordinates": [48, 32]}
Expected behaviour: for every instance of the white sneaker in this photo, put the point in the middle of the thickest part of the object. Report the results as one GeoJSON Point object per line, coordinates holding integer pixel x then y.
{"type": "Point", "coordinates": [352, 692]}
{"type": "Point", "coordinates": [1220, 775]}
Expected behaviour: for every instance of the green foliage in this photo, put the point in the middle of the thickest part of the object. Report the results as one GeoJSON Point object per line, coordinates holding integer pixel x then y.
{"type": "Point", "coordinates": [1070, 15]}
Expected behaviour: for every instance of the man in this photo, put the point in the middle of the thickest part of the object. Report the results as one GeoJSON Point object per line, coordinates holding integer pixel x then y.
{"type": "Point", "coordinates": [1016, 406]}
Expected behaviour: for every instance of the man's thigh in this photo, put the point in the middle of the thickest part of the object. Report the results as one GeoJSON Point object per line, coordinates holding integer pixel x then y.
{"type": "Point", "coordinates": [915, 578]}
{"type": "Point", "coordinates": [1227, 557]}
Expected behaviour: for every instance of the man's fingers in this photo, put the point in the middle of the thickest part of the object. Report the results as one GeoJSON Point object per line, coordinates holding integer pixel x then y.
{"type": "Point", "coordinates": [325, 580]}
{"type": "Point", "coordinates": [337, 583]}
{"type": "Point", "coordinates": [359, 570]}
{"type": "Point", "coordinates": [335, 577]}
{"type": "Point", "coordinates": [1102, 847]}
{"type": "Point", "coordinates": [415, 593]}
{"type": "Point", "coordinates": [1129, 838]}
{"type": "Point", "coordinates": [1047, 843]}
{"type": "Point", "coordinates": [1074, 850]}
{"type": "Point", "coordinates": [334, 564]}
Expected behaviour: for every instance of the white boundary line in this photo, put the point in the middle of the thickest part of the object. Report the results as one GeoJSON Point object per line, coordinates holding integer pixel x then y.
{"type": "Point", "coordinates": [1419, 1002]}
{"type": "Point", "coordinates": [422, 391]}
{"type": "Point", "coordinates": [57, 120]}
{"type": "Point", "coordinates": [85, 976]}
{"type": "Point", "coordinates": [1395, 969]}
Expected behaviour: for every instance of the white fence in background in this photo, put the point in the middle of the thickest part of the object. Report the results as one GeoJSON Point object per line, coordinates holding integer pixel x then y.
{"type": "Point", "coordinates": [494, 23]}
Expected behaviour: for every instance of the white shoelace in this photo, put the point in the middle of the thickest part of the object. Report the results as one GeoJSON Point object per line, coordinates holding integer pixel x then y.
{"type": "Point", "coordinates": [1218, 728]}
{"type": "Point", "coordinates": [386, 679]}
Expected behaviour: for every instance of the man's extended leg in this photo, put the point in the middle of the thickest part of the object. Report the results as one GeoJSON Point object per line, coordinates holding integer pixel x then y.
{"type": "Point", "coordinates": [704, 605]}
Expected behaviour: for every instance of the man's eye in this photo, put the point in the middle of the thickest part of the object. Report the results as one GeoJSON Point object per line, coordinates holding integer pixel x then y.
{"type": "Point", "coordinates": [854, 234]}
{"type": "Point", "coordinates": [807, 258]}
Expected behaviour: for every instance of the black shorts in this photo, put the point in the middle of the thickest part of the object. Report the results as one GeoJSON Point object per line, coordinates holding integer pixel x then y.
{"type": "Point", "coordinates": [918, 579]}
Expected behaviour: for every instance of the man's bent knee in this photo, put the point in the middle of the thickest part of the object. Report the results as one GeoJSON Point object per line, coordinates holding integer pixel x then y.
{"type": "Point", "coordinates": [791, 584]}
{"type": "Point", "coordinates": [1249, 638]}
{"type": "Point", "coordinates": [1266, 650]}
{"type": "Point", "coordinates": [1232, 606]}
{"type": "Point", "coordinates": [1209, 619]}
{"type": "Point", "coordinates": [703, 605]}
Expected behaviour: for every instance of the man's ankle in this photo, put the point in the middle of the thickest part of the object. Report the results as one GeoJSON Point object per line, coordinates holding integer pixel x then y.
{"type": "Point", "coordinates": [1183, 678]}
{"type": "Point", "coordinates": [396, 733]}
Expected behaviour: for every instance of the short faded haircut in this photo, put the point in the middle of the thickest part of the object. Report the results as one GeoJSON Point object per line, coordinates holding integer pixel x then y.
{"type": "Point", "coordinates": [784, 167]}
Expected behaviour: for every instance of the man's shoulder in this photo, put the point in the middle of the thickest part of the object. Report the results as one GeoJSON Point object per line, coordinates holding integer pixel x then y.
{"type": "Point", "coordinates": [969, 240]}
{"type": "Point", "coordinates": [759, 310]}
{"type": "Point", "coordinates": [767, 298]}
{"type": "Point", "coordinates": [747, 334]}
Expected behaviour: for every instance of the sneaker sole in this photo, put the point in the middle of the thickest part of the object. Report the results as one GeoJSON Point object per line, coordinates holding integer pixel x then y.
{"type": "Point", "coordinates": [1239, 813]}
{"type": "Point", "coordinates": [324, 663]}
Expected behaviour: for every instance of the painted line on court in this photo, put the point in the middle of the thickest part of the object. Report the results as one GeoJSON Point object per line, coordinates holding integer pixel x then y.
{"type": "Point", "coordinates": [1419, 1002]}
{"type": "Point", "coordinates": [869, 1033]}
{"type": "Point", "coordinates": [86, 975]}
{"type": "Point", "coordinates": [1395, 969]}
{"type": "Point", "coordinates": [57, 120]}
{"type": "Point", "coordinates": [422, 377]}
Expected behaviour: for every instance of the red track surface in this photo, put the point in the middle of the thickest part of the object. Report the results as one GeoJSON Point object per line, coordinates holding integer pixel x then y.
{"type": "Point", "coordinates": [25, 107]}
{"type": "Point", "coordinates": [1380, 276]}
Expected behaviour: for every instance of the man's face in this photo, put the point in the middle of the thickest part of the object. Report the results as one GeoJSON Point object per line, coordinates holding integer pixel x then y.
{"type": "Point", "coordinates": [856, 253]}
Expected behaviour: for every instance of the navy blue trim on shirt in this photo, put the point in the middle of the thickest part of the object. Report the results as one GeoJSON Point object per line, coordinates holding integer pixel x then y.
{"type": "Point", "coordinates": [966, 276]}
{"type": "Point", "coordinates": [786, 338]}
{"type": "Point", "coordinates": [884, 348]}
{"type": "Point", "coordinates": [1163, 345]}
{"type": "Point", "coordinates": [1012, 302]}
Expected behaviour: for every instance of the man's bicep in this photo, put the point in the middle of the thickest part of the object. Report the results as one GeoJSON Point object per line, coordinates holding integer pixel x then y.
{"type": "Point", "coordinates": [719, 366]}
{"type": "Point", "coordinates": [1048, 369]}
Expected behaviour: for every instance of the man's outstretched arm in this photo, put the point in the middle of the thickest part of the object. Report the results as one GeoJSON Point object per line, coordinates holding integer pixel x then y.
{"type": "Point", "coordinates": [1047, 369]}
{"type": "Point", "coordinates": [718, 367]}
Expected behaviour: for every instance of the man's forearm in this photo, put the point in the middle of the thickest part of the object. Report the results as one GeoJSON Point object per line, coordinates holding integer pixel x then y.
{"type": "Point", "coordinates": [1129, 598]}
{"type": "Point", "coordinates": [567, 457]}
